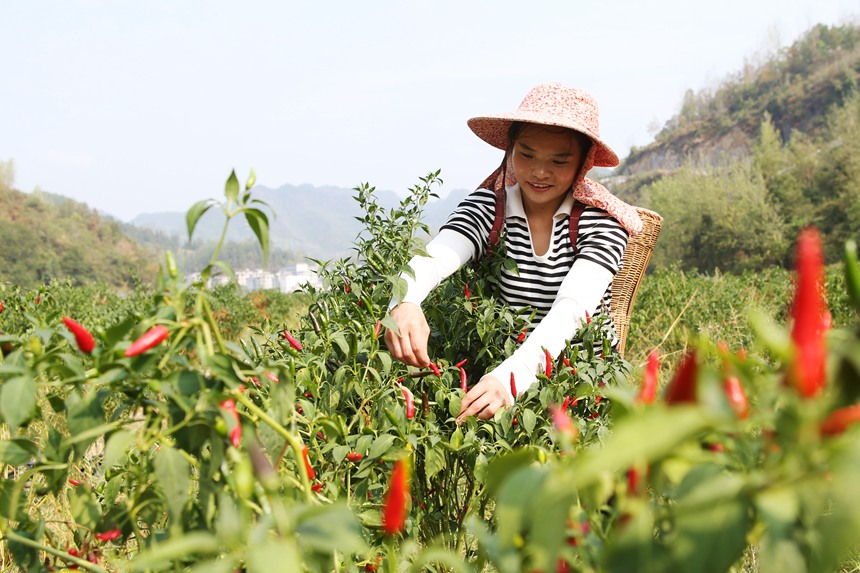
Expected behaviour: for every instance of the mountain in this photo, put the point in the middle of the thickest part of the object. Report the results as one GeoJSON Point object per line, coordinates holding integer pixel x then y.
{"type": "Point", "coordinates": [318, 222]}
{"type": "Point", "coordinates": [45, 236]}
{"type": "Point", "coordinates": [794, 87]}
{"type": "Point", "coordinates": [744, 167]}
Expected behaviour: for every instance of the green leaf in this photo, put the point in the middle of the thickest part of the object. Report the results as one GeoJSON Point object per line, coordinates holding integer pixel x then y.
{"type": "Point", "coordinates": [389, 323]}
{"type": "Point", "coordinates": [712, 524]}
{"type": "Point", "coordinates": [173, 473]}
{"type": "Point", "coordinates": [84, 506]}
{"type": "Point", "coordinates": [194, 213]}
{"type": "Point", "coordinates": [330, 529]}
{"type": "Point", "coordinates": [84, 415]}
{"type": "Point", "coordinates": [259, 223]}
{"type": "Point", "coordinates": [231, 188]}
{"type": "Point", "coordinates": [503, 466]}
{"type": "Point", "coordinates": [381, 445]}
{"type": "Point", "coordinates": [13, 502]}
{"type": "Point", "coordinates": [529, 421]}
{"type": "Point", "coordinates": [434, 461]}
{"type": "Point", "coordinates": [262, 556]}
{"type": "Point", "coordinates": [252, 179]}
{"type": "Point", "coordinates": [17, 452]}
{"type": "Point", "coordinates": [157, 556]}
{"type": "Point", "coordinates": [18, 400]}
{"type": "Point", "coordinates": [117, 447]}
{"type": "Point", "coordinates": [338, 453]}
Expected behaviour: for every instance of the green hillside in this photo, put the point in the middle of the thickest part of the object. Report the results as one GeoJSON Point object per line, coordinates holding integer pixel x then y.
{"type": "Point", "coordinates": [44, 236]}
{"type": "Point", "coordinates": [795, 87]}
{"type": "Point", "coordinates": [742, 168]}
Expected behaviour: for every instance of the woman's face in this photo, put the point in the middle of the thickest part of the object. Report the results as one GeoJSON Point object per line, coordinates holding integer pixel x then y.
{"type": "Point", "coordinates": [546, 161]}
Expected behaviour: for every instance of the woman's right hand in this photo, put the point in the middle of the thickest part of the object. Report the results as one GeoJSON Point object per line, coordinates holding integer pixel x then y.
{"type": "Point", "coordinates": [411, 346]}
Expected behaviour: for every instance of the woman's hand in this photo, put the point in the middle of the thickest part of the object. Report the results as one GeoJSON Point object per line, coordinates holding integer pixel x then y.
{"type": "Point", "coordinates": [484, 399]}
{"type": "Point", "coordinates": [411, 346]}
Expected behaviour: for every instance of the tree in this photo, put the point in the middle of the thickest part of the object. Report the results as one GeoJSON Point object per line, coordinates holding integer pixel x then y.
{"type": "Point", "coordinates": [717, 219]}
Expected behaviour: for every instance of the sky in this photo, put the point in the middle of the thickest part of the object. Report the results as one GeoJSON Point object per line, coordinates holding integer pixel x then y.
{"type": "Point", "coordinates": [141, 106]}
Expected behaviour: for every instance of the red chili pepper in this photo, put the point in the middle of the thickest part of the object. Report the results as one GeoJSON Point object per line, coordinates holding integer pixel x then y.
{"type": "Point", "coordinates": [38, 298]}
{"type": "Point", "coordinates": [109, 535]}
{"type": "Point", "coordinates": [807, 372]}
{"type": "Point", "coordinates": [255, 380]}
{"type": "Point", "coordinates": [566, 362]}
{"type": "Point", "coordinates": [461, 363]}
{"type": "Point", "coordinates": [565, 404]}
{"type": "Point", "coordinates": [308, 467]}
{"type": "Point", "coordinates": [354, 456]}
{"type": "Point", "coordinates": [587, 318]}
{"type": "Point", "coordinates": [682, 388]}
{"type": "Point", "coordinates": [648, 393]}
{"type": "Point", "coordinates": [2, 306]}
{"type": "Point", "coordinates": [513, 386]}
{"type": "Point", "coordinates": [376, 329]}
{"type": "Point", "coordinates": [74, 482]}
{"type": "Point", "coordinates": [737, 397]}
{"type": "Point", "coordinates": [522, 336]}
{"type": "Point", "coordinates": [839, 420]}
{"type": "Point", "coordinates": [435, 369]}
{"type": "Point", "coordinates": [236, 432]}
{"type": "Point", "coordinates": [85, 340]}
{"type": "Point", "coordinates": [150, 339]}
{"type": "Point", "coordinates": [562, 422]}
{"type": "Point", "coordinates": [316, 487]}
{"type": "Point", "coordinates": [467, 293]}
{"type": "Point", "coordinates": [292, 340]}
{"type": "Point", "coordinates": [634, 481]}
{"type": "Point", "coordinates": [394, 510]}
{"type": "Point", "coordinates": [464, 384]}
{"type": "Point", "coordinates": [410, 403]}
{"type": "Point", "coordinates": [271, 377]}
{"type": "Point", "coordinates": [346, 288]}
{"type": "Point", "coordinates": [548, 367]}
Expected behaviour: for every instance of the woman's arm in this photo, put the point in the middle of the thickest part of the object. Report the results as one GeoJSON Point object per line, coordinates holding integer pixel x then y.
{"type": "Point", "coordinates": [448, 251]}
{"type": "Point", "coordinates": [581, 290]}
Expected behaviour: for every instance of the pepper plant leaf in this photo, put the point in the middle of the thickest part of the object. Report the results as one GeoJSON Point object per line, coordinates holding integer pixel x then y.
{"type": "Point", "coordinates": [259, 223]}
{"type": "Point", "coordinates": [231, 188]}
{"type": "Point", "coordinates": [194, 213]}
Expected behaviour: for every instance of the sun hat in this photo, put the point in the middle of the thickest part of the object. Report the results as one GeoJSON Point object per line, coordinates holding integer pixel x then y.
{"type": "Point", "coordinates": [549, 104]}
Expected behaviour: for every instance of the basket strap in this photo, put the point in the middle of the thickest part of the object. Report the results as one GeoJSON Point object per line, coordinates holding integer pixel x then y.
{"type": "Point", "coordinates": [573, 230]}
{"type": "Point", "coordinates": [499, 220]}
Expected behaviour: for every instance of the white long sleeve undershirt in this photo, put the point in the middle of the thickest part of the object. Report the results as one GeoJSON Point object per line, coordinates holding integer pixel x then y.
{"type": "Point", "coordinates": [581, 290]}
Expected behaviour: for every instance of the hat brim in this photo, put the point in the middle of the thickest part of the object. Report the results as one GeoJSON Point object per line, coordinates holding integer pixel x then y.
{"type": "Point", "coordinates": [494, 130]}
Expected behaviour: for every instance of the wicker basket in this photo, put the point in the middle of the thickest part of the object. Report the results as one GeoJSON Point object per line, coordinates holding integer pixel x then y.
{"type": "Point", "coordinates": [626, 282]}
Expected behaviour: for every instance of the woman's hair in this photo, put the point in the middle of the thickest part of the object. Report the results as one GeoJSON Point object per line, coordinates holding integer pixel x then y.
{"type": "Point", "coordinates": [517, 127]}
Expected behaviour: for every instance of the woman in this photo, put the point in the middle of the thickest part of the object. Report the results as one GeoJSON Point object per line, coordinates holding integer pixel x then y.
{"type": "Point", "coordinates": [544, 201]}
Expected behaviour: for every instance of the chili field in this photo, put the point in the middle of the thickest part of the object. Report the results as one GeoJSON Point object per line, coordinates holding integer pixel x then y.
{"type": "Point", "coordinates": [178, 428]}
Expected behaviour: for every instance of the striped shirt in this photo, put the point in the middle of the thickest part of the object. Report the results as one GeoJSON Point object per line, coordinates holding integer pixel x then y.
{"type": "Point", "coordinates": [600, 239]}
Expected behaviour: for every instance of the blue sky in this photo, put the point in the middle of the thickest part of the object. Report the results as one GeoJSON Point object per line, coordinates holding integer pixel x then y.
{"type": "Point", "coordinates": [146, 105]}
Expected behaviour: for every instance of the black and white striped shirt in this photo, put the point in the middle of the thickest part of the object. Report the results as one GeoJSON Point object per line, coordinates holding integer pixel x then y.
{"type": "Point", "coordinates": [601, 239]}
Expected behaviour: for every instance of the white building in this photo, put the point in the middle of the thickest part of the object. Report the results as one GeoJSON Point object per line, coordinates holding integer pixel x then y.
{"type": "Point", "coordinates": [286, 280]}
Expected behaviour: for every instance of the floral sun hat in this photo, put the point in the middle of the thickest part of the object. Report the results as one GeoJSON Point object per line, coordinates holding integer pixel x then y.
{"type": "Point", "coordinates": [549, 104]}
{"type": "Point", "coordinates": [563, 106]}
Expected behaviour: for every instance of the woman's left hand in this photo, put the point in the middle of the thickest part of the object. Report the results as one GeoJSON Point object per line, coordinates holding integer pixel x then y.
{"type": "Point", "coordinates": [484, 399]}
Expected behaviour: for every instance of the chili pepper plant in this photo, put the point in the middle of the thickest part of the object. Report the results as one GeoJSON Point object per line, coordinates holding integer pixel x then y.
{"type": "Point", "coordinates": [158, 443]}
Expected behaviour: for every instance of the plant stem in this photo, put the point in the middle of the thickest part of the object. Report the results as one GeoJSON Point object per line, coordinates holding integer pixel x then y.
{"type": "Point", "coordinates": [83, 563]}
{"type": "Point", "coordinates": [295, 443]}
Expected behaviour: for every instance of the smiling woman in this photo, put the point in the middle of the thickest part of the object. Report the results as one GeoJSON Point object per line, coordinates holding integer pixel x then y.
{"type": "Point", "coordinates": [566, 234]}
